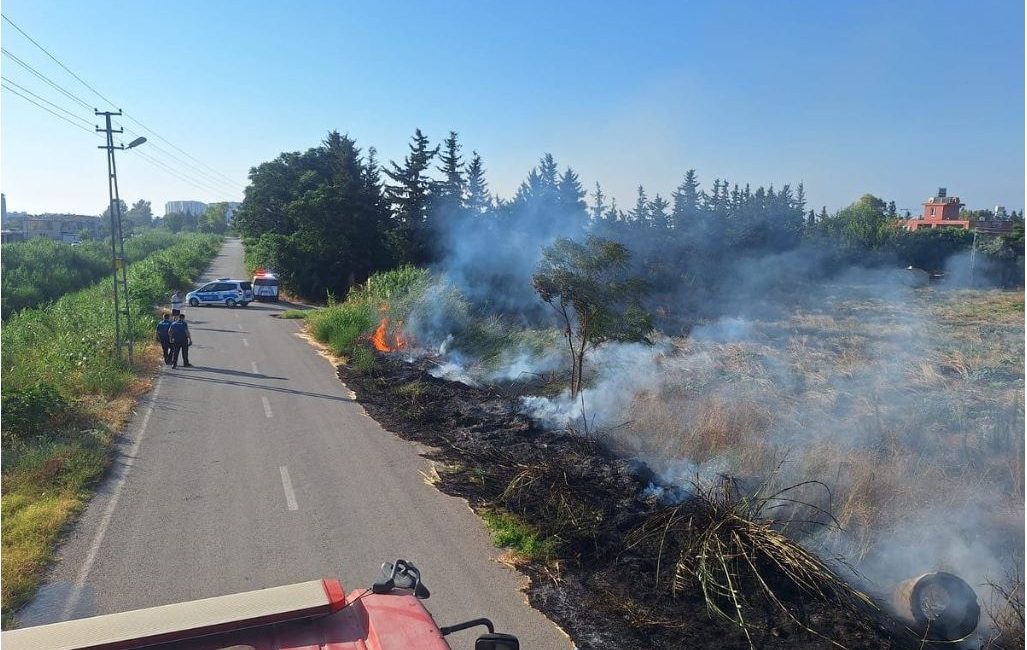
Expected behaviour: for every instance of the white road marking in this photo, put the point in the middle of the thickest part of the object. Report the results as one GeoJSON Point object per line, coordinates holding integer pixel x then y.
{"type": "Point", "coordinates": [245, 343]}
{"type": "Point", "coordinates": [290, 496]}
{"type": "Point", "coordinates": [128, 460]}
{"type": "Point", "coordinates": [253, 364]}
{"type": "Point", "coordinates": [240, 326]}
{"type": "Point", "coordinates": [267, 406]}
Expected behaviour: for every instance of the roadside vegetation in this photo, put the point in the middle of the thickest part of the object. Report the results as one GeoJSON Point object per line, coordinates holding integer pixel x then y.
{"type": "Point", "coordinates": [41, 270]}
{"type": "Point", "coordinates": [65, 394]}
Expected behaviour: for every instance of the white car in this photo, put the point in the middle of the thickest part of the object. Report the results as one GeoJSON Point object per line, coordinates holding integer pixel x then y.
{"type": "Point", "coordinates": [222, 292]}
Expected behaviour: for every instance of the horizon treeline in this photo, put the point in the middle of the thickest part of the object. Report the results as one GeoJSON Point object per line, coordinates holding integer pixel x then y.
{"type": "Point", "coordinates": [327, 218]}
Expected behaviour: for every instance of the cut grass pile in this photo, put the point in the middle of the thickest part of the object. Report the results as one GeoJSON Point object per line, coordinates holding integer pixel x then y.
{"type": "Point", "coordinates": [65, 395]}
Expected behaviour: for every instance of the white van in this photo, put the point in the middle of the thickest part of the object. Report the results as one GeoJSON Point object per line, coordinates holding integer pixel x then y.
{"type": "Point", "coordinates": [265, 286]}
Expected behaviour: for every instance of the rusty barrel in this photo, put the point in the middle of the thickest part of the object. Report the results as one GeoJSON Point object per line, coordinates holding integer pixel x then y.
{"type": "Point", "coordinates": [938, 606]}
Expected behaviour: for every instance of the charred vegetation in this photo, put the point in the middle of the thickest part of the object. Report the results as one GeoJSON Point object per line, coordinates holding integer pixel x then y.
{"type": "Point", "coordinates": [625, 569]}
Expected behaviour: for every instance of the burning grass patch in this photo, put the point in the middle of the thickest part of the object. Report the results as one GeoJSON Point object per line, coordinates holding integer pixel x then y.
{"type": "Point", "coordinates": [601, 554]}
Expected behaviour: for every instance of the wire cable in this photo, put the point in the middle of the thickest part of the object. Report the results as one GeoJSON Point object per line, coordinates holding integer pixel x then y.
{"type": "Point", "coordinates": [56, 60]}
{"type": "Point", "coordinates": [57, 115]}
{"type": "Point", "coordinates": [46, 101]}
{"type": "Point", "coordinates": [225, 177]}
{"type": "Point", "coordinates": [70, 95]}
{"type": "Point", "coordinates": [185, 179]}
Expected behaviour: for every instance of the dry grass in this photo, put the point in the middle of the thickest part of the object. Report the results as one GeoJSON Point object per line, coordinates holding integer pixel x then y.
{"type": "Point", "coordinates": [47, 483]}
{"type": "Point", "coordinates": [905, 410]}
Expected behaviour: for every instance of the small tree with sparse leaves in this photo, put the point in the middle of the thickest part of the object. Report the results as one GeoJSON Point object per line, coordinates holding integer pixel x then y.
{"type": "Point", "coordinates": [588, 287]}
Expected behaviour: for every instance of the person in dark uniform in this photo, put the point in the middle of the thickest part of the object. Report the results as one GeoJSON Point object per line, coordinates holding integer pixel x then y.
{"type": "Point", "coordinates": [164, 336]}
{"type": "Point", "coordinates": [180, 342]}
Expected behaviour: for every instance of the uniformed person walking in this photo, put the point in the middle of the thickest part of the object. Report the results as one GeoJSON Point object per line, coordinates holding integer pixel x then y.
{"type": "Point", "coordinates": [180, 342]}
{"type": "Point", "coordinates": [164, 336]}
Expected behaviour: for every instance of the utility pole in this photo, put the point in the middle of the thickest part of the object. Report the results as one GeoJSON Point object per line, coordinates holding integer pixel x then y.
{"type": "Point", "coordinates": [973, 256]}
{"type": "Point", "coordinates": [121, 306]}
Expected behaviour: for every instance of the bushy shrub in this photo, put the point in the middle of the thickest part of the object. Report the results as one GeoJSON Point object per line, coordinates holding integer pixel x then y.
{"type": "Point", "coordinates": [26, 409]}
{"type": "Point", "coordinates": [41, 270]}
{"type": "Point", "coordinates": [69, 344]}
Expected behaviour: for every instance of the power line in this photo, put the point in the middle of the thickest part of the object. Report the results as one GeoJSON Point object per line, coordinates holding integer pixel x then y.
{"type": "Point", "coordinates": [57, 61]}
{"type": "Point", "coordinates": [172, 145]}
{"type": "Point", "coordinates": [57, 115]}
{"type": "Point", "coordinates": [42, 99]}
{"type": "Point", "coordinates": [226, 178]}
{"type": "Point", "coordinates": [70, 95]}
{"type": "Point", "coordinates": [191, 181]}
{"type": "Point", "coordinates": [224, 185]}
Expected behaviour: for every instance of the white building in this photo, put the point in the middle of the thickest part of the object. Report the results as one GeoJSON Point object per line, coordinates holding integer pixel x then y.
{"type": "Point", "coordinates": [194, 208]}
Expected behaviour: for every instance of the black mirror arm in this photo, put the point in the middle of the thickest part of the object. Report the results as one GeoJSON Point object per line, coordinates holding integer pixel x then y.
{"type": "Point", "coordinates": [468, 624]}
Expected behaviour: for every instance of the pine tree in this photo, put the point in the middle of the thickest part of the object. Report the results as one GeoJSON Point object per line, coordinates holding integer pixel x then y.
{"type": "Point", "coordinates": [598, 204]}
{"type": "Point", "coordinates": [658, 213]}
{"type": "Point", "coordinates": [893, 213]}
{"type": "Point", "coordinates": [479, 201]}
{"type": "Point", "coordinates": [686, 201]}
{"type": "Point", "coordinates": [823, 214]}
{"type": "Point", "coordinates": [570, 196]}
{"type": "Point", "coordinates": [410, 196]}
{"type": "Point", "coordinates": [639, 216]}
{"type": "Point", "coordinates": [450, 190]}
{"type": "Point", "coordinates": [800, 198]}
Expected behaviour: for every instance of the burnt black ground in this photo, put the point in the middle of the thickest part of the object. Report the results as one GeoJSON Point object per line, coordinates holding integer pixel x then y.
{"type": "Point", "coordinates": [603, 592]}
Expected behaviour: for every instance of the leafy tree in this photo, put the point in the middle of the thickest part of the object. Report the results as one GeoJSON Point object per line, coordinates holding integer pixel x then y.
{"type": "Point", "coordinates": [140, 216]}
{"type": "Point", "coordinates": [587, 286]}
{"type": "Point", "coordinates": [180, 221]}
{"type": "Point", "coordinates": [864, 225]}
{"type": "Point", "coordinates": [214, 219]}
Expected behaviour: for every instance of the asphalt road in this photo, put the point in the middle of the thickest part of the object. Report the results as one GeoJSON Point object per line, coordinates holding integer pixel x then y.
{"type": "Point", "coordinates": [256, 468]}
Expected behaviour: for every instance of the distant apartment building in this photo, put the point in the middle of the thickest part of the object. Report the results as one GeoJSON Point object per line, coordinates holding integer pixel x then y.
{"type": "Point", "coordinates": [233, 206]}
{"type": "Point", "coordinates": [194, 208]}
{"type": "Point", "coordinates": [940, 211]}
{"type": "Point", "coordinates": [61, 227]}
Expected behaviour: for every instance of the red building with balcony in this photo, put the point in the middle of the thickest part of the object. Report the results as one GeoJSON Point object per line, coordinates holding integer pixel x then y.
{"type": "Point", "coordinates": [940, 211]}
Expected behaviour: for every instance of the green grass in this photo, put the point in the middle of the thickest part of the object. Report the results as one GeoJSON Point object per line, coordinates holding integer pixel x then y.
{"type": "Point", "coordinates": [508, 531]}
{"type": "Point", "coordinates": [294, 314]}
{"type": "Point", "coordinates": [342, 325]}
{"type": "Point", "coordinates": [41, 270]}
{"type": "Point", "coordinates": [45, 482]}
{"type": "Point", "coordinates": [62, 386]}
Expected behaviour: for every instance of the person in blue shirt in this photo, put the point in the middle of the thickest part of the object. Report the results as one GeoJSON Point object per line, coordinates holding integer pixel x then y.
{"type": "Point", "coordinates": [180, 342]}
{"type": "Point", "coordinates": [164, 336]}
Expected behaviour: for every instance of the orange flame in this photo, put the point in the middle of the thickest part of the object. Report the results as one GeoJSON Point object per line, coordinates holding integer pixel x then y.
{"type": "Point", "coordinates": [380, 337]}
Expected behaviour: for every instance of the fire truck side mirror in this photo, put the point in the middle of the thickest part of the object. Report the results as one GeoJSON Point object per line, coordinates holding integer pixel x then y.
{"type": "Point", "coordinates": [497, 642]}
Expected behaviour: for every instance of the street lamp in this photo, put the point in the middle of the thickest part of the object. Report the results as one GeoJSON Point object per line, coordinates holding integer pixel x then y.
{"type": "Point", "coordinates": [117, 238]}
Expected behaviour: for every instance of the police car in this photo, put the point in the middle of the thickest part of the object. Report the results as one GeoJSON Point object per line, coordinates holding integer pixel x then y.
{"type": "Point", "coordinates": [224, 291]}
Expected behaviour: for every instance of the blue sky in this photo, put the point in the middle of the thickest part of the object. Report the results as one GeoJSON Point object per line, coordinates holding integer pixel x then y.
{"type": "Point", "coordinates": [892, 98]}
